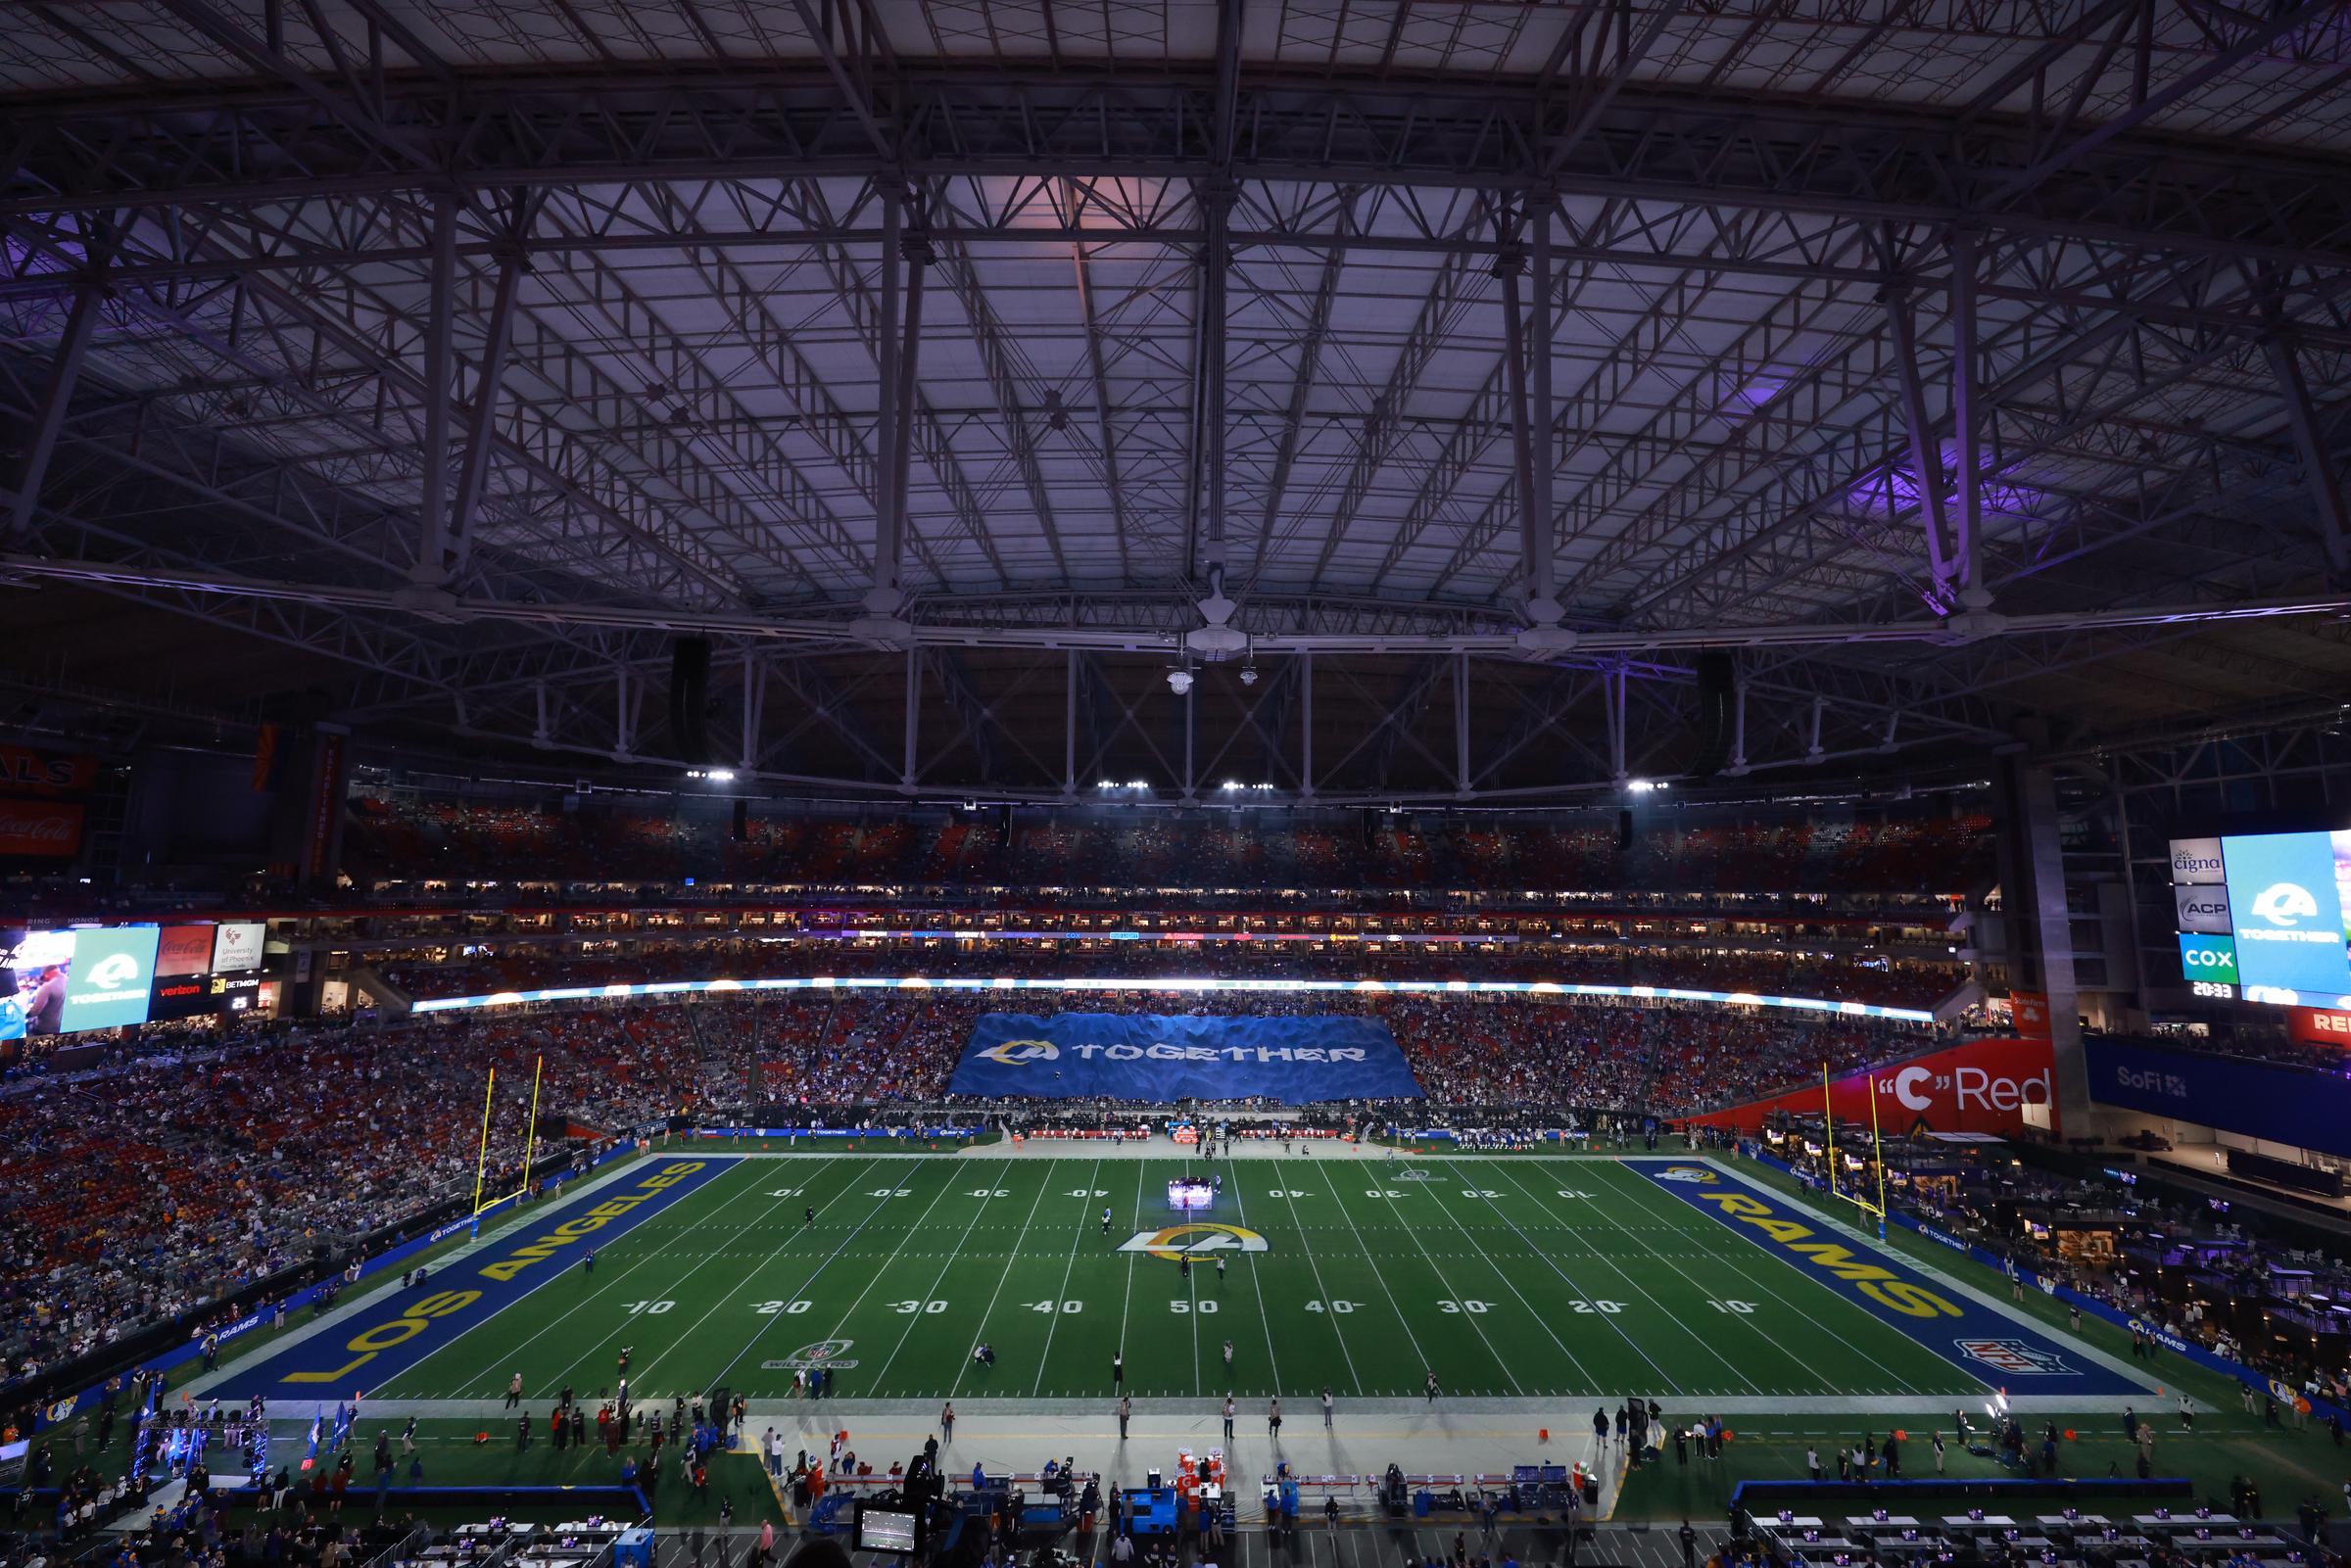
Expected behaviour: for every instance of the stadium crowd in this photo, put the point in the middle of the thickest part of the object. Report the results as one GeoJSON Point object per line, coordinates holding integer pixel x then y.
{"type": "Point", "coordinates": [524, 965]}
{"type": "Point", "coordinates": [403, 838]}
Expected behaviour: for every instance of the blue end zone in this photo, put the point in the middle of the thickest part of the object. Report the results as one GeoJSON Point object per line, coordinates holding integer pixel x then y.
{"type": "Point", "coordinates": [370, 1348]}
{"type": "Point", "coordinates": [1996, 1350]}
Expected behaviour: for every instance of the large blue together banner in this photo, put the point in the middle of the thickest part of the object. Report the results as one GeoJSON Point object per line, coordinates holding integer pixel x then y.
{"type": "Point", "coordinates": [2283, 1104]}
{"type": "Point", "coordinates": [1130, 1056]}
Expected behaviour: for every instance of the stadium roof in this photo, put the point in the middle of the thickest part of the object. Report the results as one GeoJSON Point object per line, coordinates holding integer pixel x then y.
{"type": "Point", "coordinates": [431, 366]}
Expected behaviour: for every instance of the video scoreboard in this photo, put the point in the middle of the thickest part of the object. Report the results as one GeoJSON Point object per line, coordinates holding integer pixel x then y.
{"type": "Point", "coordinates": [2261, 917]}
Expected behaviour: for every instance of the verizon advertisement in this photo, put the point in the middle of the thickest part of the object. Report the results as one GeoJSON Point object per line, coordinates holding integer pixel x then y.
{"type": "Point", "coordinates": [48, 829]}
{"type": "Point", "coordinates": [1983, 1086]}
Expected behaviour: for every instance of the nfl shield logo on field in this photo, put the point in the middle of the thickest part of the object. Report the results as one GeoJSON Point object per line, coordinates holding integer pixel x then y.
{"type": "Point", "coordinates": [2016, 1358]}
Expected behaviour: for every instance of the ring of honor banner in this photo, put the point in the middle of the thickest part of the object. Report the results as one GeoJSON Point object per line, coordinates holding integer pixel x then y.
{"type": "Point", "coordinates": [1126, 1056]}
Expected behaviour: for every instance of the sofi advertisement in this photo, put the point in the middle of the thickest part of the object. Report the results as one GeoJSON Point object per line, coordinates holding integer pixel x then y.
{"type": "Point", "coordinates": [1983, 1086]}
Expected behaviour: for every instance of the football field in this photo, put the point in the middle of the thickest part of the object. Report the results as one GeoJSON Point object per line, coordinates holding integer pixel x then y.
{"type": "Point", "coordinates": [1528, 1277]}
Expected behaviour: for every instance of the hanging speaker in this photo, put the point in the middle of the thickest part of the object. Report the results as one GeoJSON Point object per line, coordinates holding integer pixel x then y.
{"type": "Point", "coordinates": [1718, 694]}
{"type": "Point", "coordinates": [1004, 827]}
{"type": "Point", "coordinates": [1624, 828]}
{"type": "Point", "coordinates": [742, 820]}
{"type": "Point", "coordinates": [690, 699]}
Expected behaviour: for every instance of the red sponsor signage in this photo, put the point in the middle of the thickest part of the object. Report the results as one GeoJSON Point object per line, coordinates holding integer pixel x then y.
{"type": "Point", "coordinates": [47, 773]}
{"type": "Point", "coordinates": [327, 805]}
{"type": "Point", "coordinates": [1983, 1086]}
{"type": "Point", "coordinates": [183, 950]}
{"type": "Point", "coordinates": [2317, 1025]}
{"type": "Point", "coordinates": [48, 828]}
{"type": "Point", "coordinates": [2029, 1011]}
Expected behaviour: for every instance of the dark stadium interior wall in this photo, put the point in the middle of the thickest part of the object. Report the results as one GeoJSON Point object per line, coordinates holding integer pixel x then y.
{"type": "Point", "coordinates": [195, 809]}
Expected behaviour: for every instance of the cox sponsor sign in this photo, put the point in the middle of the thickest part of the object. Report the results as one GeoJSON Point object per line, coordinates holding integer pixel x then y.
{"type": "Point", "coordinates": [1983, 1086]}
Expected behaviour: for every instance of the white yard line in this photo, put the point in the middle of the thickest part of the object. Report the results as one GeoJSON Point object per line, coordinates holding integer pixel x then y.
{"type": "Point", "coordinates": [1273, 1363]}
{"type": "Point", "coordinates": [1012, 1260]}
{"type": "Point", "coordinates": [1511, 1286]}
{"type": "Point", "coordinates": [1443, 1284]}
{"type": "Point", "coordinates": [855, 1231]}
{"type": "Point", "coordinates": [662, 1354]}
{"type": "Point", "coordinates": [1085, 1213]}
{"type": "Point", "coordinates": [937, 1279]}
{"type": "Point", "coordinates": [1610, 1318]}
{"type": "Point", "coordinates": [1127, 1306]}
{"type": "Point", "coordinates": [1337, 1332]}
{"type": "Point", "coordinates": [1642, 1291]}
{"type": "Point", "coordinates": [1377, 1274]}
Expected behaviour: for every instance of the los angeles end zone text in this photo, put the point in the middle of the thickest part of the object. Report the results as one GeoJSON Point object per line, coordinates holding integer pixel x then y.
{"type": "Point", "coordinates": [400, 1333]}
{"type": "Point", "coordinates": [1507, 1278]}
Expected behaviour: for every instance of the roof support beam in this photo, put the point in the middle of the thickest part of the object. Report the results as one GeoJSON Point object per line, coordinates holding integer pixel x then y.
{"type": "Point", "coordinates": [481, 420]}
{"type": "Point", "coordinates": [2319, 471]}
{"type": "Point", "coordinates": [1967, 419]}
{"type": "Point", "coordinates": [65, 369]}
{"type": "Point", "coordinates": [1926, 452]}
{"type": "Point", "coordinates": [440, 372]}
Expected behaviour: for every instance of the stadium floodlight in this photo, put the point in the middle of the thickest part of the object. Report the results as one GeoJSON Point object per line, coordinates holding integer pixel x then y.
{"type": "Point", "coordinates": [1180, 681]}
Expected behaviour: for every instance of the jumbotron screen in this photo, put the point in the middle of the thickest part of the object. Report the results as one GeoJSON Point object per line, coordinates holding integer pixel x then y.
{"type": "Point", "coordinates": [63, 982]}
{"type": "Point", "coordinates": [2261, 917]}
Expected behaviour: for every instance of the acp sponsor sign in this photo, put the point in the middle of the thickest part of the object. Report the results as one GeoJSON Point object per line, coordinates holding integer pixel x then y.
{"type": "Point", "coordinates": [2202, 909]}
{"type": "Point", "coordinates": [1983, 1086]}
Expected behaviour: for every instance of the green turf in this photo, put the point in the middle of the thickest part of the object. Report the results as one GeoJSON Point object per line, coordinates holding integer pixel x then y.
{"type": "Point", "coordinates": [1517, 1278]}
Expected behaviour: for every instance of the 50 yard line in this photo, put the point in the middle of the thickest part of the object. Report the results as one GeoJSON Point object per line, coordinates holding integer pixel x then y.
{"type": "Point", "coordinates": [1273, 1365]}
{"type": "Point", "coordinates": [1127, 1306]}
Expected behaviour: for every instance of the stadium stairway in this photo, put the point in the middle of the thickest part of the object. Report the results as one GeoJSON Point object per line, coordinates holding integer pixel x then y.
{"type": "Point", "coordinates": [368, 981]}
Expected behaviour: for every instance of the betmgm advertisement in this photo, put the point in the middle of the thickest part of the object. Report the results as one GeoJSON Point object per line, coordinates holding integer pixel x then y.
{"type": "Point", "coordinates": [2261, 917]}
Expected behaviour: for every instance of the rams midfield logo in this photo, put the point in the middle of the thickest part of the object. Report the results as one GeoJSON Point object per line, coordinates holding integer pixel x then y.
{"type": "Point", "coordinates": [1696, 1175]}
{"type": "Point", "coordinates": [2015, 1358]}
{"type": "Point", "coordinates": [1199, 1237]}
{"type": "Point", "coordinates": [1019, 1053]}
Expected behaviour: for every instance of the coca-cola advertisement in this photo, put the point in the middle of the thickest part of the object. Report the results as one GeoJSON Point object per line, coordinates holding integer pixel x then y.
{"type": "Point", "coordinates": [46, 830]}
